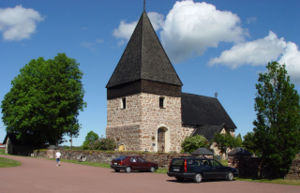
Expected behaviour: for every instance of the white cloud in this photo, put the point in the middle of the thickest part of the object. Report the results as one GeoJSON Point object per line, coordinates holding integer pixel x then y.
{"type": "Point", "coordinates": [255, 53]}
{"type": "Point", "coordinates": [125, 30]}
{"type": "Point", "coordinates": [291, 57]}
{"type": "Point", "coordinates": [157, 20]}
{"type": "Point", "coordinates": [191, 27]}
{"type": "Point", "coordinates": [18, 23]}
{"type": "Point", "coordinates": [261, 51]}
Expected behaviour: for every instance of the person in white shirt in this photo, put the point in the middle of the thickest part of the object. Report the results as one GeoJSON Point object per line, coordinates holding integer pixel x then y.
{"type": "Point", "coordinates": [58, 155]}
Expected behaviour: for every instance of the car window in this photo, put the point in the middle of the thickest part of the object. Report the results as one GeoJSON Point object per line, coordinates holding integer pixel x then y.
{"type": "Point", "coordinates": [205, 162]}
{"type": "Point", "coordinates": [195, 162]}
{"type": "Point", "coordinates": [141, 160]}
{"type": "Point", "coordinates": [190, 162]}
{"type": "Point", "coordinates": [215, 163]}
{"type": "Point", "coordinates": [133, 159]}
{"type": "Point", "coordinates": [120, 158]}
{"type": "Point", "coordinates": [177, 162]}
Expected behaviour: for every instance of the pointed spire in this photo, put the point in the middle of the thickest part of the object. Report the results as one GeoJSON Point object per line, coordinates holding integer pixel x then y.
{"type": "Point", "coordinates": [144, 59]}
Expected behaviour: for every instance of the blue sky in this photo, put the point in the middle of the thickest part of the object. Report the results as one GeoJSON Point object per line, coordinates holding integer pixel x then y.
{"type": "Point", "coordinates": [218, 46]}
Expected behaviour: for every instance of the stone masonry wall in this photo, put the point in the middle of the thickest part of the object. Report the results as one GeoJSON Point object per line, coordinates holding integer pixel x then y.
{"type": "Point", "coordinates": [137, 126]}
{"type": "Point", "coordinates": [162, 159]}
{"type": "Point", "coordinates": [154, 117]}
{"type": "Point", "coordinates": [123, 125]}
{"type": "Point", "coordinates": [131, 115]}
{"type": "Point", "coordinates": [128, 135]}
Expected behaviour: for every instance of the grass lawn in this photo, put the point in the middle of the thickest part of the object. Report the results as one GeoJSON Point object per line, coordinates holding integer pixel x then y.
{"type": "Point", "coordinates": [2, 152]}
{"type": "Point", "coordinates": [6, 163]}
{"type": "Point", "coordinates": [95, 164]}
{"type": "Point", "coordinates": [273, 181]}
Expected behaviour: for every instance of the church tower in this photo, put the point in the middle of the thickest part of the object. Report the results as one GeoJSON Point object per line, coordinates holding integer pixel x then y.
{"type": "Point", "coordinates": [144, 96]}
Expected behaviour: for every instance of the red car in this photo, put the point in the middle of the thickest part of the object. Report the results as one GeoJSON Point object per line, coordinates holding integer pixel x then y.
{"type": "Point", "coordinates": [129, 163]}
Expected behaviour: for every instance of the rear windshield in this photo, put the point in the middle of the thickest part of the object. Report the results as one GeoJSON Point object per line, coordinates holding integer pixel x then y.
{"type": "Point", "coordinates": [190, 162]}
{"type": "Point", "coordinates": [120, 158]}
{"type": "Point", "coordinates": [177, 162]}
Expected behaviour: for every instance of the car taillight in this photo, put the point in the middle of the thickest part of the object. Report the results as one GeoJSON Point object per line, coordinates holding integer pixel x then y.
{"type": "Point", "coordinates": [185, 166]}
{"type": "Point", "coordinates": [121, 163]}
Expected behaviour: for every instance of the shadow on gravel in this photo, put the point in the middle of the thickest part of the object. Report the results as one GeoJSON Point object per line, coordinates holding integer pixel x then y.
{"type": "Point", "coordinates": [192, 182]}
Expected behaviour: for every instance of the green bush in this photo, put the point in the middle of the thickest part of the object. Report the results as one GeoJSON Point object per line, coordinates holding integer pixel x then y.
{"type": "Point", "coordinates": [105, 144]}
{"type": "Point", "coordinates": [192, 143]}
{"type": "Point", "coordinates": [90, 140]}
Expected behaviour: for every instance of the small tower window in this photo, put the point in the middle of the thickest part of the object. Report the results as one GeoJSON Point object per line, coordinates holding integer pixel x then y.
{"type": "Point", "coordinates": [123, 104]}
{"type": "Point", "coordinates": [161, 102]}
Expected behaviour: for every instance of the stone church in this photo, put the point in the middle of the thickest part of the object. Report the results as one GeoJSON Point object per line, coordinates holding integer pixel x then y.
{"type": "Point", "coordinates": [146, 109]}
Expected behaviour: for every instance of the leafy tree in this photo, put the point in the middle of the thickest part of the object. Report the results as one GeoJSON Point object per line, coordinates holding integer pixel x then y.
{"type": "Point", "coordinates": [277, 126]}
{"type": "Point", "coordinates": [90, 140]}
{"type": "Point", "coordinates": [249, 143]}
{"type": "Point", "coordinates": [44, 101]}
{"type": "Point", "coordinates": [225, 141]}
{"type": "Point", "coordinates": [239, 140]}
{"type": "Point", "coordinates": [192, 143]}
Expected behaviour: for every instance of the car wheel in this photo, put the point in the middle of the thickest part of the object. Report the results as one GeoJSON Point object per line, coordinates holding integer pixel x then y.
{"type": "Point", "coordinates": [152, 169]}
{"type": "Point", "coordinates": [117, 170]}
{"type": "Point", "coordinates": [179, 179]}
{"type": "Point", "coordinates": [128, 169]}
{"type": "Point", "coordinates": [230, 176]}
{"type": "Point", "coordinates": [198, 178]}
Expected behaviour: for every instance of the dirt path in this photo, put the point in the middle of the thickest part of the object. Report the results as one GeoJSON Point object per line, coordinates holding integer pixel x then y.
{"type": "Point", "coordinates": [42, 176]}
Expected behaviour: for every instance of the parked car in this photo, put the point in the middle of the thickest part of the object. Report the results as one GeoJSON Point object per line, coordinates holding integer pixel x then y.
{"type": "Point", "coordinates": [129, 163]}
{"type": "Point", "coordinates": [199, 169]}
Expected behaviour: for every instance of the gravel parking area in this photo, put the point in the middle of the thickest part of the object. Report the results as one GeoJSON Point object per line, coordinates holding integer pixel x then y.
{"type": "Point", "coordinates": [43, 176]}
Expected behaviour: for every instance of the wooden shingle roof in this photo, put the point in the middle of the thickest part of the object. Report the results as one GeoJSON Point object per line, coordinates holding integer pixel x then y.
{"type": "Point", "coordinates": [144, 59]}
{"type": "Point", "coordinates": [205, 111]}
{"type": "Point", "coordinates": [208, 131]}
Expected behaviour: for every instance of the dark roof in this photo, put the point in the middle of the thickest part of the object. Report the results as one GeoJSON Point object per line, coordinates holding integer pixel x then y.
{"type": "Point", "coordinates": [239, 151]}
{"type": "Point", "coordinates": [208, 131]}
{"type": "Point", "coordinates": [204, 111]}
{"type": "Point", "coordinates": [202, 151]}
{"type": "Point", "coordinates": [144, 59]}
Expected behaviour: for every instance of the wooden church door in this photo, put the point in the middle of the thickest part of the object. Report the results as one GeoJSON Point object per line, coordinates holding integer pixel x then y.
{"type": "Point", "coordinates": [161, 139]}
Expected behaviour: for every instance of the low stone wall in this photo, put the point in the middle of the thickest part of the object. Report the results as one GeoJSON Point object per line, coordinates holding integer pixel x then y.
{"type": "Point", "coordinates": [294, 172]}
{"type": "Point", "coordinates": [162, 159]}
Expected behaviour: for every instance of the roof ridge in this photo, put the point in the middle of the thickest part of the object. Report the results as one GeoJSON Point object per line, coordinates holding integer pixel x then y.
{"type": "Point", "coordinates": [199, 95]}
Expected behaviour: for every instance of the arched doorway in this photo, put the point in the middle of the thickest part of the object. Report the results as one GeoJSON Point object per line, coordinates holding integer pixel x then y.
{"type": "Point", "coordinates": [161, 139]}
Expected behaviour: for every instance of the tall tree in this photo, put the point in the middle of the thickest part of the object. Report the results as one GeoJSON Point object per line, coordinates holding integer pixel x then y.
{"type": "Point", "coordinates": [249, 143]}
{"type": "Point", "coordinates": [277, 127]}
{"type": "Point", "coordinates": [44, 101]}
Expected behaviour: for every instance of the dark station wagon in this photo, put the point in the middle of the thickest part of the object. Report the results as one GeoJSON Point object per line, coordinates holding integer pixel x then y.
{"type": "Point", "coordinates": [129, 163]}
{"type": "Point", "coordinates": [198, 169]}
